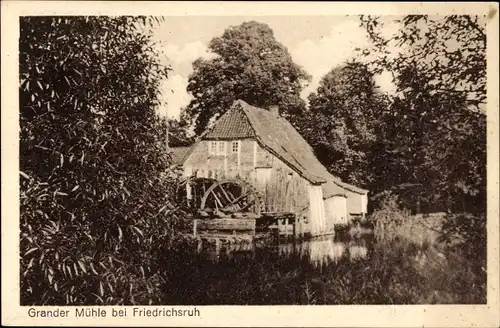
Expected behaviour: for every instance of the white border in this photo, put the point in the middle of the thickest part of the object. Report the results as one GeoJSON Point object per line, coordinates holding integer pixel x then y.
{"type": "Point", "coordinates": [371, 316]}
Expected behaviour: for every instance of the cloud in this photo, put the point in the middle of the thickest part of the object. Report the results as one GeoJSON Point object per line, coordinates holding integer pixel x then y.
{"type": "Point", "coordinates": [180, 58]}
{"type": "Point", "coordinates": [332, 50]}
{"type": "Point", "coordinates": [175, 95]}
{"type": "Point", "coordinates": [318, 58]}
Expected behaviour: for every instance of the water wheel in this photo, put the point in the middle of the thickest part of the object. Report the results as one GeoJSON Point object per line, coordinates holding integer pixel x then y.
{"type": "Point", "coordinates": [230, 196]}
{"type": "Point", "coordinates": [190, 191]}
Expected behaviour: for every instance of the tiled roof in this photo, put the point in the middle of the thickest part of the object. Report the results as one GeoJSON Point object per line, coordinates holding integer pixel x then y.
{"type": "Point", "coordinates": [279, 137]}
{"type": "Point", "coordinates": [232, 125]}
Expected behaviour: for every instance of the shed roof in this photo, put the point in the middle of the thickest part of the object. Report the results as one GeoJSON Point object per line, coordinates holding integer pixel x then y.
{"type": "Point", "coordinates": [179, 154]}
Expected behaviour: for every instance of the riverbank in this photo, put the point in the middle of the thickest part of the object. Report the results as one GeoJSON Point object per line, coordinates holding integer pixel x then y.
{"type": "Point", "coordinates": [393, 268]}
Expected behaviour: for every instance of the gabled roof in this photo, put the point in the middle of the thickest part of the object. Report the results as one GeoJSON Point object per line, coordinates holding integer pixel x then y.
{"type": "Point", "coordinates": [233, 124]}
{"type": "Point", "coordinates": [280, 138]}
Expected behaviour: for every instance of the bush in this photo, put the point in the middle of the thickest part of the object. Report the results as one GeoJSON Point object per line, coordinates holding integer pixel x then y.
{"type": "Point", "coordinates": [449, 250]}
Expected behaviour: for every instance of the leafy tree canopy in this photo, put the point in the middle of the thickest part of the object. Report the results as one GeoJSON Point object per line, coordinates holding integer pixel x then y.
{"type": "Point", "coordinates": [449, 53]}
{"type": "Point", "coordinates": [250, 65]}
{"type": "Point", "coordinates": [341, 121]}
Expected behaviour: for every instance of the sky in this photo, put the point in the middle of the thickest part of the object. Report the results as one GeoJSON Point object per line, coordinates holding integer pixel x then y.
{"type": "Point", "coordinates": [317, 43]}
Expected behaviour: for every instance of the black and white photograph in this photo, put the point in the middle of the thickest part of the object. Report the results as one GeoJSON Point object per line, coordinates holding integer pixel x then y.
{"type": "Point", "coordinates": [252, 159]}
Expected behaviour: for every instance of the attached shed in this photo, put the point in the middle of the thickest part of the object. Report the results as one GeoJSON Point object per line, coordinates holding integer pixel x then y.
{"type": "Point", "coordinates": [262, 148]}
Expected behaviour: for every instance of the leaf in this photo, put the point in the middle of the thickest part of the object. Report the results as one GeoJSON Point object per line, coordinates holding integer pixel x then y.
{"type": "Point", "coordinates": [75, 188]}
{"type": "Point", "coordinates": [82, 266]}
{"type": "Point", "coordinates": [138, 230]}
{"type": "Point", "coordinates": [162, 209]}
{"type": "Point", "coordinates": [98, 297]}
{"type": "Point", "coordinates": [120, 233]}
{"type": "Point", "coordinates": [92, 268]}
{"type": "Point", "coordinates": [30, 251]}
{"type": "Point", "coordinates": [101, 288]}
{"type": "Point", "coordinates": [24, 175]}
{"type": "Point", "coordinates": [76, 269]}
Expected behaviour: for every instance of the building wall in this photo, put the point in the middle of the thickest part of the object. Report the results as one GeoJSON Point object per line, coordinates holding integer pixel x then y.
{"type": "Point", "coordinates": [317, 220]}
{"type": "Point", "coordinates": [280, 187]}
{"type": "Point", "coordinates": [356, 203]}
{"type": "Point", "coordinates": [336, 211]}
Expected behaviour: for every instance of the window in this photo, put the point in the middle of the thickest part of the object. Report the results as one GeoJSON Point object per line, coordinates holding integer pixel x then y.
{"type": "Point", "coordinates": [213, 148]}
{"type": "Point", "coordinates": [217, 148]}
{"type": "Point", "coordinates": [221, 148]}
{"type": "Point", "coordinates": [234, 146]}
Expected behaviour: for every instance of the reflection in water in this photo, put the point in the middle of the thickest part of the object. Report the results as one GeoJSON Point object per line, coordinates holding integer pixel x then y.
{"type": "Point", "coordinates": [357, 252]}
{"type": "Point", "coordinates": [319, 251]}
{"type": "Point", "coordinates": [322, 251]}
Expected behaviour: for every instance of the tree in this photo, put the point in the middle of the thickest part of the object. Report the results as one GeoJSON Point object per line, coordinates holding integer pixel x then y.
{"type": "Point", "coordinates": [91, 158]}
{"type": "Point", "coordinates": [437, 111]}
{"type": "Point", "coordinates": [449, 51]}
{"type": "Point", "coordinates": [342, 119]}
{"type": "Point", "coordinates": [250, 65]}
{"type": "Point", "coordinates": [178, 133]}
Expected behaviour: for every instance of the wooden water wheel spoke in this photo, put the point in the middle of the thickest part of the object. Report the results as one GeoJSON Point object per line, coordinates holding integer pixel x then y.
{"type": "Point", "coordinates": [218, 202]}
{"type": "Point", "coordinates": [231, 196]}
{"type": "Point", "coordinates": [241, 197]}
{"type": "Point", "coordinates": [225, 194]}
